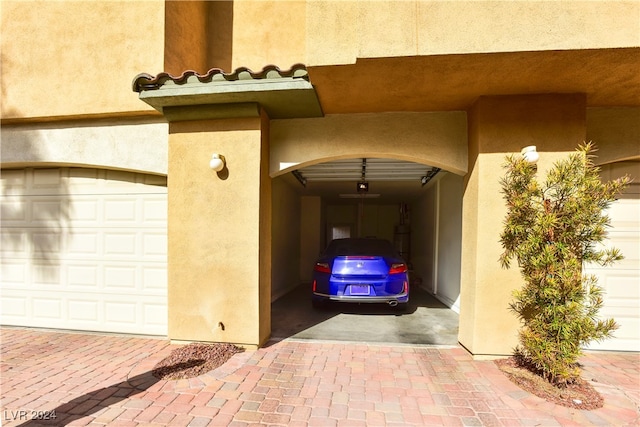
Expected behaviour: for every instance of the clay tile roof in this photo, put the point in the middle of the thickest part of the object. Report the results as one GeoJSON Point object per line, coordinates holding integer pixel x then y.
{"type": "Point", "coordinates": [144, 81]}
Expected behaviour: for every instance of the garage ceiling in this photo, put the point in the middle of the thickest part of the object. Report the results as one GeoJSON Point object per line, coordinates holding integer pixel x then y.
{"type": "Point", "coordinates": [389, 180]}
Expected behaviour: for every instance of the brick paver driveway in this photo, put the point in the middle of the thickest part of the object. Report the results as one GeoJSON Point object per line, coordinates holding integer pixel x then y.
{"type": "Point", "coordinates": [90, 379]}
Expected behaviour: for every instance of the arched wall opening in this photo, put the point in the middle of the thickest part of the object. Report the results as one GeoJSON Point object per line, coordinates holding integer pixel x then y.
{"type": "Point", "coordinates": [436, 138]}
{"type": "Point", "coordinates": [423, 215]}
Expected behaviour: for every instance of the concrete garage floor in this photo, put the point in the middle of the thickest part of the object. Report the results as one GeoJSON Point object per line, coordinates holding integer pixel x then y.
{"type": "Point", "coordinates": [426, 320]}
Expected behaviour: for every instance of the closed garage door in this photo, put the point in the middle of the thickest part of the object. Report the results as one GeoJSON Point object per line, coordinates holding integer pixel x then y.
{"type": "Point", "coordinates": [621, 281]}
{"type": "Point", "coordinates": [84, 249]}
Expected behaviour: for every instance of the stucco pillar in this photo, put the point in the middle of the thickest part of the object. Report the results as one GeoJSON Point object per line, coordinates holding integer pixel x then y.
{"type": "Point", "coordinates": [219, 231]}
{"type": "Point", "coordinates": [498, 126]}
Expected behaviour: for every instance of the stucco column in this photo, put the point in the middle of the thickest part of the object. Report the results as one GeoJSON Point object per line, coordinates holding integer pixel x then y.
{"type": "Point", "coordinates": [219, 231]}
{"type": "Point", "coordinates": [500, 125]}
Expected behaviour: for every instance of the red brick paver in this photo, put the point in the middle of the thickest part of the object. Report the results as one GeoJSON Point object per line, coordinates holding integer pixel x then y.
{"type": "Point", "coordinates": [90, 379]}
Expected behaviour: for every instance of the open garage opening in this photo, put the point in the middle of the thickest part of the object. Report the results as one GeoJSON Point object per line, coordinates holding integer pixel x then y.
{"type": "Point", "coordinates": [417, 207]}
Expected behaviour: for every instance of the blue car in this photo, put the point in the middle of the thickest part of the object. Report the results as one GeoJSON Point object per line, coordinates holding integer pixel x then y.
{"type": "Point", "coordinates": [361, 271]}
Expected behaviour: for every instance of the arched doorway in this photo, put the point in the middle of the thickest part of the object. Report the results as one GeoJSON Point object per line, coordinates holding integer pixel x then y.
{"type": "Point", "coordinates": [415, 206]}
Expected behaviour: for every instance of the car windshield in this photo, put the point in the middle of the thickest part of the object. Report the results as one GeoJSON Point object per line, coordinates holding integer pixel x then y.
{"type": "Point", "coordinates": [378, 247]}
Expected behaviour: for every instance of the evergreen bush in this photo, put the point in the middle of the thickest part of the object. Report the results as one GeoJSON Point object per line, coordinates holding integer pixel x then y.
{"type": "Point", "coordinates": [552, 229]}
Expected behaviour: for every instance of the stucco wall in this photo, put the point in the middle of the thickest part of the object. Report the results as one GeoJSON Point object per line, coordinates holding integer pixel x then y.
{"type": "Point", "coordinates": [616, 133]}
{"type": "Point", "coordinates": [92, 50]}
{"type": "Point", "coordinates": [338, 32]}
{"type": "Point", "coordinates": [437, 139]}
{"type": "Point", "coordinates": [268, 32]}
{"type": "Point", "coordinates": [77, 58]}
{"type": "Point", "coordinates": [219, 232]}
{"type": "Point", "coordinates": [133, 146]}
{"type": "Point", "coordinates": [286, 238]}
{"type": "Point", "coordinates": [186, 37]}
{"type": "Point", "coordinates": [499, 126]}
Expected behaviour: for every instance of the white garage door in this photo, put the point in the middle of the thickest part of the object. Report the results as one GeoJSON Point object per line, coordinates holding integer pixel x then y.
{"type": "Point", "coordinates": [84, 249]}
{"type": "Point", "coordinates": [621, 281]}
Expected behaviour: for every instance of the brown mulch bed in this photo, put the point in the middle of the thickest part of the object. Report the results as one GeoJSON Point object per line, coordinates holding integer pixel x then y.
{"type": "Point", "coordinates": [580, 395]}
{"type": "Point", "coordinates": [194, 359]}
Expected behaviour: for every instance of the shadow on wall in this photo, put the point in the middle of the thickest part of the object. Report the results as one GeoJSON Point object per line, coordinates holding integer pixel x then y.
{"type": "Point", "coordinates": [36, 213]}
{"type": "Point", "coordinates": [35, 220]}
{"type": "Point", "coordinates": [198, 36]}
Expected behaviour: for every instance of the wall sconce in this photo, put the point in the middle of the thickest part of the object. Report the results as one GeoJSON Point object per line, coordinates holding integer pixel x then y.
{"type": "Point", "coordinates": [217, 162]}
{"type": "Point", "coordinates": [530, 154]}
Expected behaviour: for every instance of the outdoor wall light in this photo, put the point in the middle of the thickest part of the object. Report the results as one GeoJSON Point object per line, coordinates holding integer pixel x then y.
{"type": "Point", "coordinates": [217, 162]}
{"type": "Point", "coordinates": [530, 154]}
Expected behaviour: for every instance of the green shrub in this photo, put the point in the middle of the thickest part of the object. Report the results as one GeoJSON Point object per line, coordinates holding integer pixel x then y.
{"type": "Point", "coordinates": [552, 229]}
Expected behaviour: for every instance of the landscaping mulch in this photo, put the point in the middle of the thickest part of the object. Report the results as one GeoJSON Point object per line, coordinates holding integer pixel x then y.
{"type": "Point", "coordinates": [192, 360]}
{"type": "Point", "coordinates": [579, 395]}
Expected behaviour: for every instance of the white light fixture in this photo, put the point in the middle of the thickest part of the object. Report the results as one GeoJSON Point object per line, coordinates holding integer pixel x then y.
{"type": "Point", "coordinates": [217, 162]}
{"type": "Point", "coordinates": [530, 154]}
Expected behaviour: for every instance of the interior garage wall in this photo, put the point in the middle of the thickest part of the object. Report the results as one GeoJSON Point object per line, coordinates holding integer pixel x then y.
{"type": "Point", "coordinates": [285, 240]}
{"type": "Point", "coordinates": [436, 238]}
{"type": "Point", "coordinates": [423, 236]}
{"type": "Point", "coordinates": [379, 220]}
{"type": "Point", "coordinates": [311, 230]}
{"type": "Point", "coordinates": [449, 243]}
{"type": "Point", "coordinates": [342, 215]}
{"type": "Point", "coordinates": [367, 219]}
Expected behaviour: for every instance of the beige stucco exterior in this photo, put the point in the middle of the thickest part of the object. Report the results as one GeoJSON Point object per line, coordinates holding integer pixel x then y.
{"type": "Point", "coordinates": [131, 145]}
{"type": "Point", "coordinates": [416, 28]}
{"type": "Point", "coordinates": [499, 126]}
{"type": "Point", "coordinates": [455, 85]}
{"type": "Point", "coordinates": [616, 131]}
{"type": "Point", "coordinates": [67, 59]}
{"type": "Point", "coordinates": [219, 232]}
{"type": "Point", "coordinates": [437, 139]}
{"type": "Point", "coordinates": [92, 49]}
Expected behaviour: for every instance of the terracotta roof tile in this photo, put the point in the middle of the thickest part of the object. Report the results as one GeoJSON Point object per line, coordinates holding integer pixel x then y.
{"type": "Point", "coordinates": [144, 81]}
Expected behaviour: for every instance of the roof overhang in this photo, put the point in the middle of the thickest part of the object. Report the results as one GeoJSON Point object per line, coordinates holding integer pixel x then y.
{"type": "Point", "coordinates": [282, 94]}
{"type": "Point", "coordinates": [453, 82]}
{"type": "Point", "coordinates": [450, 82]}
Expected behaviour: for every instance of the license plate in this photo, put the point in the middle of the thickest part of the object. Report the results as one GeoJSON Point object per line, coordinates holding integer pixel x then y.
{"type": "Point", "coordinates": [359, 289]}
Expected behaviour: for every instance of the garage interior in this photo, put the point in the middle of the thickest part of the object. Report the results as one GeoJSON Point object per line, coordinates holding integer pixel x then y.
{"type": "Point", "coordinates": [415, 206]}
